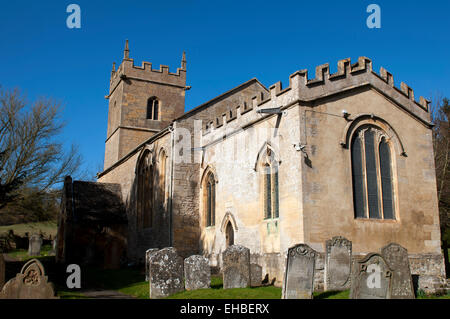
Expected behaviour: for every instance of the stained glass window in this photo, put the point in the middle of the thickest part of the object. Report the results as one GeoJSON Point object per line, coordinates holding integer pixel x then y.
{"type": "Point", "coordinates": [358, 178]}
{"type": "Point", "coordinates": [386, 180]}
{"type": "Point", "coordinates": [372, 174]}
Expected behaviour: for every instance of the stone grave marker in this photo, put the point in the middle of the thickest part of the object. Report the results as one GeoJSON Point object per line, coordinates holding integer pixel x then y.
{"type": "Point", "coordinates": [148, 253]}
{"type": "Point", "coordinates": [30, 283]}
{"type": "Point", "coordinates": [236, 267]}
{"type": "Point", "coordinates": [371, 278]}
{"type": "Point", "coordinates": [166, 273]}
{"type": "Point", "coordinates": [338, 262]}
{"type": "Point", "coordinates": [299, 273]}
{"type": "Point", "coordinates": [396, 257]}
{"type": "Point", "coordinates": [53, 252]}
{"type": "Point", "coordinates": [34, 245]}
{"type": "Point", "coordinates": [197, 273]}
{"type": "Point", "coordinates": [255, 275]}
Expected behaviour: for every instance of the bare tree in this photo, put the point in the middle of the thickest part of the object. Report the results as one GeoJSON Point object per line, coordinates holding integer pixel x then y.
{"type": "Point", "coordinates": [440, 113]}
{"type": "Point", "coordinates": [31, 156]}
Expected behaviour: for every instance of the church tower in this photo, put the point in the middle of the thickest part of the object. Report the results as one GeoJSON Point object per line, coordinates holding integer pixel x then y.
{"type": "Point", "coordinates": [142, 101]}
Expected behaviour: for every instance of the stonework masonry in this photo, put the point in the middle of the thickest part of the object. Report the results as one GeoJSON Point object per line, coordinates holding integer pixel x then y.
{"type": "Point", "coordinates": [303, 129]}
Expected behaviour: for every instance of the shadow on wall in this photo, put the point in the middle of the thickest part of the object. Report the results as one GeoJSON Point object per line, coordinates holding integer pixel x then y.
{"type": "Point", "coordinates": [148, 207]}
{"type": "Point", "coordinates": [92, 225]}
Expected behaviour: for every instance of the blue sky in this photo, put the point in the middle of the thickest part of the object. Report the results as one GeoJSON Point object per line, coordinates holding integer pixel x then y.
{"type": "Point", "coordinates": [226, 43]}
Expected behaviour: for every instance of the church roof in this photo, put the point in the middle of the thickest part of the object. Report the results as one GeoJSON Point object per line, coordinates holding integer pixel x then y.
{"type": "Point", "coordinates": [221, 97]}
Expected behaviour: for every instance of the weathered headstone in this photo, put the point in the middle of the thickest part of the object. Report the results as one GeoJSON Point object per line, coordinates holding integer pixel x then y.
{"type": "Point", "coordinates": [34, 245]}
{"type": "Point", "coordinates": [299, 273]}
{"type": "Point", "coordinates": [148, 253]}
{"type": "Point", "coordinates": [255, 275]}
{"type": "Point", "coordinates": [166, 273]}
{"type": "Point", "coordinates": [197, 273]}
{"type": "Point", "coordinates": [396, 257]}
{"type": "Point", "coordinates": [30, 283]}
{"type": "Point", "coordinates": [53, 247]}
{"type": "Point", "coordinates": [371, 278]}
{"type": "Point", "coordinates": [236, 267]}
{"type": "Point", "coordinates": [338, 262]}
{"type": "Point", "coordinates": [2, 270]}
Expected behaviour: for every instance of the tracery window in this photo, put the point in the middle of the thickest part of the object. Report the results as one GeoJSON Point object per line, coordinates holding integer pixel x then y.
{"type": "Point", "coordinates": [372, 176]}
{"type": "Point", "coordinates": [270, 186]}
{"type": "Point", "coordinates": [162, 177]}
{"type": "Point", "coordinates": [210, 200]}
{"type": "Point", "coordinates": [145, 193]}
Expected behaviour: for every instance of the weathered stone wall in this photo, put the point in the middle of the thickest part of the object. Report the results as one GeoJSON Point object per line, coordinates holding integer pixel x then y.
{"type": "Point", "coordinates": [328, 182]}
{"type": "Point", "coordinates": [315, 177]}
{"type": "Point", "coordinates": [130, 88]}
{"type": "Point", "coordinates": [187, 170]}
{"type": "Point", "coordinates": [239, 189]}
{"type": "Point", "coordinates": [158, 236]}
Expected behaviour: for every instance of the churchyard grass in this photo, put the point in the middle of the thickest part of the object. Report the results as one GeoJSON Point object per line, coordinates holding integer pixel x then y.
{"type": "Point", "coordinates": [22, 254]}
{"type": "Point", "coordinates": [47, 228]}
{"type": "Point", "coordinates": [131, 281]}
{"type": "Point", "coordinates": [216, 292]}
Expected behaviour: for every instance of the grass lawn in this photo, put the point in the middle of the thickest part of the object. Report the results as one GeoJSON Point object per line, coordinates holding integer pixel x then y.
{"type": "Point", "coordinates": [131, 282]}
{"type": "Point", "coordinates": [216, 292]}
{"type": "Point", "coordinates": [47, 228]}
{"type": "Point", "coordinates": [22, 254]}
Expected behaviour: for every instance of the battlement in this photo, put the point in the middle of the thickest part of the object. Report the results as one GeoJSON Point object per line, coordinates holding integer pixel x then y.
{"type": "Point", "coordinates": [145, 72]}
{"type": "Point", "coordinates": [301, 89]}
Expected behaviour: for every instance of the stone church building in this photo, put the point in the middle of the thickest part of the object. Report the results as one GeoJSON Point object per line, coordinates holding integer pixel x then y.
{"type": "Point", "coordinates": [341, 154]}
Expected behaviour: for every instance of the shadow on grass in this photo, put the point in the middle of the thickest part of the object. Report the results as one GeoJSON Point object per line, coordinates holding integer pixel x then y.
{"type": "Point", "coordinates": [216, 282]}
{"type": "Point", "coordinates": [332, 295]}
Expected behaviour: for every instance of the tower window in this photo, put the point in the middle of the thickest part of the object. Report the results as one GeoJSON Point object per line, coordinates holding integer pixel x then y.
{"type": "Point", "coordinates": [372, 174]}
{"type": "Point", "coordinates": [153, 108]}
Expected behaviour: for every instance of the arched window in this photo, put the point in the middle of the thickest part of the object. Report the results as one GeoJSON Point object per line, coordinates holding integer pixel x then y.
{"type": "Point", "coordinates": [145, 193]}
{"type": "Point", "coordinates": [210, 200]}
{"type": "Point", "coordinates": [372, 174]}
{"type": "Point", "coordinates": [270, 185]}
{"type": "Point", "coordinates": [162, 177]}
{"type": "Point", "coordinates": [152, 108]}
{"type": "Point", "coordinates": [229, 235]}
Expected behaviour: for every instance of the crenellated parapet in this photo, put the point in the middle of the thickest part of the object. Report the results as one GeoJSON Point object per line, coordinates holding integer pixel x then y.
{"type": "Point", "coordinates": [303, 90]}
{"type": "Point", "coordinates": [145, 72]}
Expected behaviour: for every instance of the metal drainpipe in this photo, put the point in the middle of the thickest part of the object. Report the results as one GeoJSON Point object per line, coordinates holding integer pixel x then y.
{"type": "Point", "coordinates": [172, 137]}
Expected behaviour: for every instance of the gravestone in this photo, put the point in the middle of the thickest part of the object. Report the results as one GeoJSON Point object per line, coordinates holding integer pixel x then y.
{"type": "Point", "coordinates": [166, 273]}
{"type": "Point", "coordinates": [371, 278]}
{"type": "Point", "coordinates": [236, 267]}
{"type": "Point", "coordinates": [30, 283]}
{"type": "Point", "coordinates": [148, 253]}
{"type": "Point", "coordinates": [396, 257]}
{"type": "Point", "coordinates": [338, 262]}
{"type": "Point", "coordinates": [53, 252]}
{"type": "Point", "coordinates": [2, 270]}
{"type": "Point", "coordinates": [34, 245]}
{"type": "Point", "coordinates": [197, 273]}
{"type": "Point", "coordinates": [299, 273]}
{"type": "Point", "coordinates": [255, 275]}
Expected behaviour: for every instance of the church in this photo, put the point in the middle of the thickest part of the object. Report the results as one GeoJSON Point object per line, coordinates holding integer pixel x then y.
{"type": "Point", "coordinates": [334, 154]}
